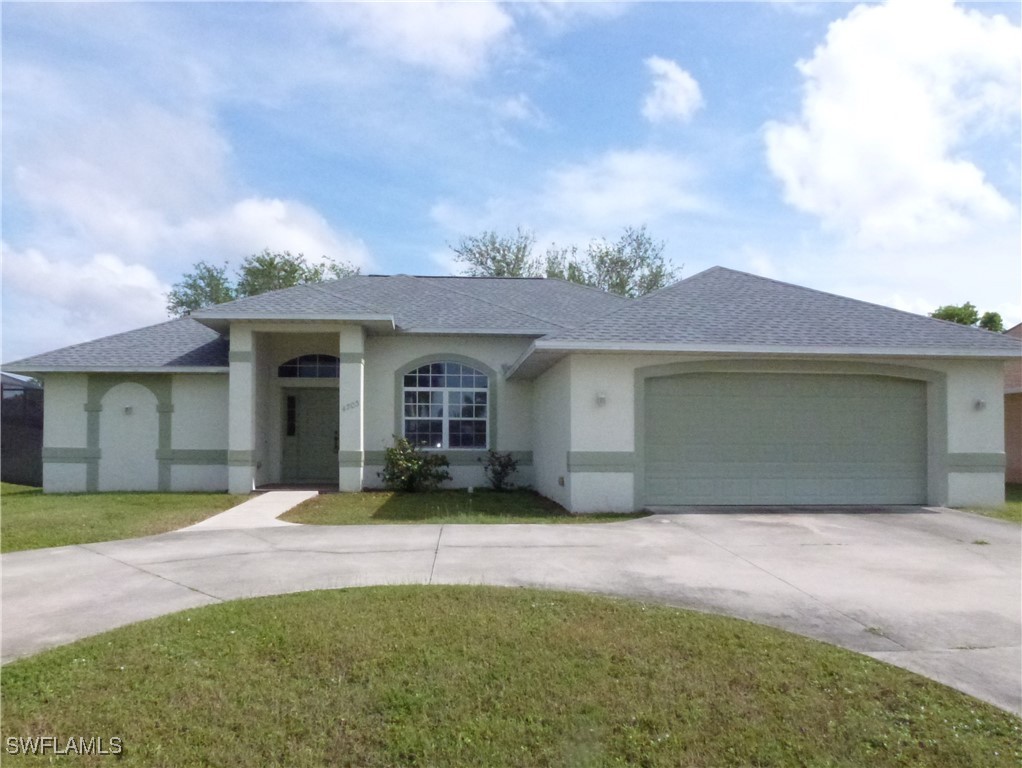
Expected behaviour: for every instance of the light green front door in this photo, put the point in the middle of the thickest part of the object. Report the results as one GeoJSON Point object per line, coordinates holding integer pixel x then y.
{"type": "Point", "coordinates": [310, 438]}
{"type": "Point", "coordinates": [718, 438]}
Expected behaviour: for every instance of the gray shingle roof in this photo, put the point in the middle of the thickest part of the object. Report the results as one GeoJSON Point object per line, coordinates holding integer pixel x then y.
{"type": "Point", "coordinates": [181, 343]}
{"type": "Point", "coordinates": [529, 306]}
{"type": "Point", "coordinates": [719, 309]}
{"type": "Point", "coordinates": [724, 308]}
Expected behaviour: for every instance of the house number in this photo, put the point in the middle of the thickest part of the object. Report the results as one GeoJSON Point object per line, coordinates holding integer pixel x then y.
{"type": "Point", "coordinates": [350, 406]}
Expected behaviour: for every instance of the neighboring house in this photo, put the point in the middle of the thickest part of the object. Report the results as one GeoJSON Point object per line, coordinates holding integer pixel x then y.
{"type": "Point", "coordinates": [1013, 413]}
{"type": "Point", "coordinates": [724, 388]}
{"type": "Point", "coordinates": [21, 431]}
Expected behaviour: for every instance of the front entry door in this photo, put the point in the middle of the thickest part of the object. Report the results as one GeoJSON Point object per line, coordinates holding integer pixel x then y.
{"type": "Point", "coordinates": [310, 436]}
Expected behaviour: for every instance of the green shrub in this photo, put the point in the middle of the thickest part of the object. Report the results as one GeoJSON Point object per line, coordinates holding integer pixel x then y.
{"type": "Point", "coordinates": [499, 468]}
{"type": "Point", "coordinates": [406, 468]}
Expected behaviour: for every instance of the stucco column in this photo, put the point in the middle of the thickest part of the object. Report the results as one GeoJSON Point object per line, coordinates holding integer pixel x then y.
{"type": "Point", "coordinates": [241, 412]}
{"type": "Point", "coordinates": [350, 453]}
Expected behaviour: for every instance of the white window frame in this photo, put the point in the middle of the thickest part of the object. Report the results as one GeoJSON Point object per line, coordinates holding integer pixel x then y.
{"type": "Point", "coordinates": [446, 393]}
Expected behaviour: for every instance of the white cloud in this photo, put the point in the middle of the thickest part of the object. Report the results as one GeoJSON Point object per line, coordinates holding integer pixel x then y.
{"type": "Point", "coordinates": [576, 202]}
{"type": "Point", "coordinates": [68, 301]}
{"type": "Point", "coordinates": [120, 181]}
{"type": "Point", "coordinates": [453, 39]}
{"type": "Point", "coordinates": [675, 95]}
{"type": "Point", "coordinates": [71, 299]}
{"type": "Point", "coordinates": [446, 262]}
{"type": "Point", "coordinates": [800, 7]}
{"type": "Point", "coordinates": [916, 277]}
{"type": "Point", "coordinates": [519, 109]}
{"type": "Point", "coordinates": [116, 198]}
{"type": "Point", "coordinates": [620, 188]}
{"type": "Point", "coordinates": [252, 224]}
{"type": "Point", "coordinates": [155, 187]}
{"type": "Point", "coordinates": [559, 15]}
{"type": "Point", "coordinates": [889, 100]}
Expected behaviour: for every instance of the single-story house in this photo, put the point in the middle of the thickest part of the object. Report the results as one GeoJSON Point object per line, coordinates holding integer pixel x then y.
{"type": "Point", "coordinates": [724, 388]}
{"type": "Point", "coordinates": [1013, 413]}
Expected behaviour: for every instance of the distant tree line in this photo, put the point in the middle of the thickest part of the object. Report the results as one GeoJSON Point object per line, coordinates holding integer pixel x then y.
{"type": "Point", "coordinates": [208, 284]}
{"type": "Point", "coordinates": [633, 265]}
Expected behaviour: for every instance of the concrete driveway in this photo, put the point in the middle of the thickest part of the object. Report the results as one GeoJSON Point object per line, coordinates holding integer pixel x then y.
{"type": "Point", "coordinates": [934, 591]}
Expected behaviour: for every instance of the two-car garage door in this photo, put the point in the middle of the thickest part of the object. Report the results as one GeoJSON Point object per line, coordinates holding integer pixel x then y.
{"type": "Point", "coordinates": [766, 438]}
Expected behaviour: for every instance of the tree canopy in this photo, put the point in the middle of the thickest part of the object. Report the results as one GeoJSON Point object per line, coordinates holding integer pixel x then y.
{"type": "Point", "coordinates": [633, 265]}
{"type": "Point", "coordinates": [967, 314]}
{"type": "Point", "coordinates": [209, 284]}
{"type": "Point", "coordinates": [493, 255]}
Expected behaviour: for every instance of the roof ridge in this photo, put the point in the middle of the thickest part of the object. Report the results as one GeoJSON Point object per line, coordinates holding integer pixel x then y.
{"type": "Point", "coordinates": [504, 306]}
{"type": "Point", "coordinates": [601, 291]}
{"type": "Point", "coordinates": [320, 287]}
{"type": "Point", "coordinates": [477, 277]}
{"type": "Point", "coordinates": [630, 303]}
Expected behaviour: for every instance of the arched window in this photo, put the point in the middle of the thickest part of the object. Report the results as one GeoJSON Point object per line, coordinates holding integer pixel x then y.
{"type": "Point", "coordinates": [446, 406]}
{"type": "Point", "coordinates": [310, 367]}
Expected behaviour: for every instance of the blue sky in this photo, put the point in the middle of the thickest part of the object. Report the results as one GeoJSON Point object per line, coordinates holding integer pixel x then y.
{"type": "Point", "coordinates": [871, 150]}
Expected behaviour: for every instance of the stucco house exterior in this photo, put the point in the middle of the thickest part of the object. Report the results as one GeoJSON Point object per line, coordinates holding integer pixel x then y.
{"type": "Point", "coordinates": [724, 388]}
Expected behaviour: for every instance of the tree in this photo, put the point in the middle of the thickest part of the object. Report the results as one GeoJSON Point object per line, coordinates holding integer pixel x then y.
{"type": "Point", "coordinates": [563, 262]}
{"type": "Point", "coordinates": [493, 255]}
{"type": "Point", "coordinates": [967, 314]}
{"type": "Point", "coordinates": [992, 321]}
{"type": "Point", "coordinates": [206, 284]}
{"type": "Point", "coordinates": [634, 265]}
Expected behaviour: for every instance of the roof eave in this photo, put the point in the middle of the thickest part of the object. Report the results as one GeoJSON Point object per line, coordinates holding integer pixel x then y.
{"type": "Point", "coordinates": [894, 351]}
{"type": "Point", "coordinates": [555, 350]}
{"type": "Point", "coordinates": [29, 370]}
{"type": "Point", "coordinates": [221, 322]}
{"type": "Point", "coordinates": [441, 331]}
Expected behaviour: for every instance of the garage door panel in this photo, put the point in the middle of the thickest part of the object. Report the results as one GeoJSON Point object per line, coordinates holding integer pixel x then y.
{"type": "Point", "coordinates": [784, 439]}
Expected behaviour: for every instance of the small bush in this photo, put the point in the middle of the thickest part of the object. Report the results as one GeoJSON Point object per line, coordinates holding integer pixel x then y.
{"type": "Point", "coordinates": [499, 468]}
{"type": "Point", "coordinates": [406, 468]}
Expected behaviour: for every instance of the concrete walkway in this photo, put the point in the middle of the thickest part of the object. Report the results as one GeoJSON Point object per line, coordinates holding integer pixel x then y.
{"type": "Point", "coordinates": [934, 591]}
{"type": "Point", "coordinates": [260, 511]}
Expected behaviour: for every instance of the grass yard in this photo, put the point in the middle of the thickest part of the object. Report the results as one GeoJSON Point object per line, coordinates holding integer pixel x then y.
{"type": "Point", "coordinates": [484, 676]}
{"type": "Point", "coordinates": [30, 519]}
{"type": "Point", "coordinates": [449, 506]}
{"type": "Point", "coordinates": [1012, 509]}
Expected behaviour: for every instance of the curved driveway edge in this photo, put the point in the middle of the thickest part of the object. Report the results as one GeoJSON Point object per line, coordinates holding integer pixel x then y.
{"type": "Point", "coordinates": [914, 588]}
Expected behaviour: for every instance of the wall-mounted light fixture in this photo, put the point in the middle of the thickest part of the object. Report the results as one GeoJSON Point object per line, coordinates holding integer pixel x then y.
{"type": "Point", "coordinates": [980, 404]}
{"type": "Point", "coordinates": [601, 398]}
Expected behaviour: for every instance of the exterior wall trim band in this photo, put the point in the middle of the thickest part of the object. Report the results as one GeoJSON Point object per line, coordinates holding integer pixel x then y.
{"type": "Point", "coordinates": [601, 461]}
{"type": "Point", "coordinates": [976, 462]}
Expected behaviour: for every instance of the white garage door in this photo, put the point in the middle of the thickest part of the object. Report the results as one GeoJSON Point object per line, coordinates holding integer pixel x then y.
{"type": "Point", "coordinates": [715, 438]}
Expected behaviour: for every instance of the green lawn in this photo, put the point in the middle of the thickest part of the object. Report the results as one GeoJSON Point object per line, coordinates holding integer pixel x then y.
{"type": "Point", "coordinates": [484, 676]}
{"type": "Point", "coordinates": [1012, 509]}
{"type": "Point", "coordinates": [30, 519]}
{"type": "Point", "coordinates": [455, 506]}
